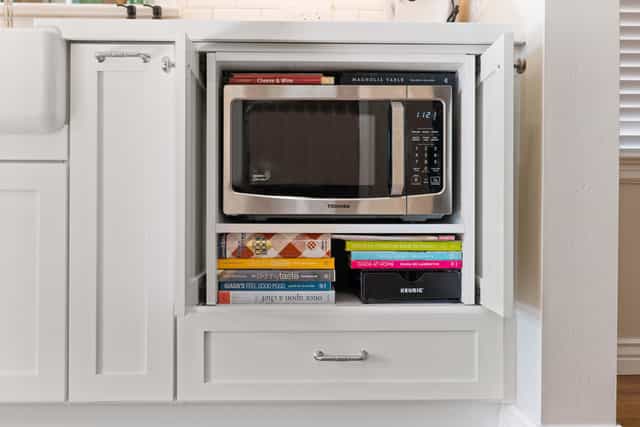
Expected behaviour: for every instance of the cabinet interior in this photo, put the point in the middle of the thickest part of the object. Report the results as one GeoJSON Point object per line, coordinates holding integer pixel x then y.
{"type": "Point", "coordinates": [204, 211]}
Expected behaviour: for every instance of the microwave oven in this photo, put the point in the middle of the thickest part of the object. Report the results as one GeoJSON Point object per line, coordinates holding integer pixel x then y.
{"type": "Point", "coordinates": [346, 150]}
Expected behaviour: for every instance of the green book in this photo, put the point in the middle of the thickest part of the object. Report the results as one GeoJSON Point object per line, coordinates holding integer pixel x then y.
{"type": "Point", "coordinates": [378, 245]}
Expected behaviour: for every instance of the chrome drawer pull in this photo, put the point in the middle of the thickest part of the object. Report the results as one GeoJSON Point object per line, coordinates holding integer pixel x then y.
{"type": "Point", "coordinates": [101, 56]}
{"type": "Point", "coordinates": [320, 356]}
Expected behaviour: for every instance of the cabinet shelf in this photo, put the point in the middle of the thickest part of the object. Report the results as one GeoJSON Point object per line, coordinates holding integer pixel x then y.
{"type": "Point", "coordinates": [344, 301]}
{"type": "Point", "coordinates": [340, 228]}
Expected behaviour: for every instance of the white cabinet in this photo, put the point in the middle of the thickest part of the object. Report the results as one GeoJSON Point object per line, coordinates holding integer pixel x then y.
{"type": "Point", "coordinates": [33, 282]}
{"type": "Point", "coordinates": [124, 210]}
{"type": "Point", "coordinates": [415, 351]}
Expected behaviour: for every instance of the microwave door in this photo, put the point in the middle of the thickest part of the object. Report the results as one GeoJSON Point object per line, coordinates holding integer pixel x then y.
{"type": "Point", "coordinates": [311, 150]}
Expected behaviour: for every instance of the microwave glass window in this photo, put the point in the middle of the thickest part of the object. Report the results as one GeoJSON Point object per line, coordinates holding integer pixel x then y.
{"type": "Point", "coordinates": [325, 149]}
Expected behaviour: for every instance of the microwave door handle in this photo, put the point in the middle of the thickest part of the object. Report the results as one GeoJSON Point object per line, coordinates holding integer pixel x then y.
{"type": "Point", "coordinates": [397, 149]}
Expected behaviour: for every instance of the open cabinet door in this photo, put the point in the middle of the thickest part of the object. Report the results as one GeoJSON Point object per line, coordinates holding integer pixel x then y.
{"type": "Point", "coordinates": [495, 192]}
{"type": "Point", "coordinates": [191, 151]}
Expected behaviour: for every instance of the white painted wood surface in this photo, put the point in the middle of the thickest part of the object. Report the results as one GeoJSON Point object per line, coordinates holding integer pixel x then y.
{"type": "Point", "coordinates": [123, 225]}
{"type": "Point", "coordinates": [494, 213]}
{"type": "Point", "coordinates": [580, 212]}
{"type": "Point", "coordinates": [266, 353]}
{"type": "Point", "coordinates": [191, 183]}
{"type": "Point", "coordinates": [277, 32]}
{"type": "Point", "coordinates": [38, 147]}
{"type": "Point", "coordinates": [33, 282]}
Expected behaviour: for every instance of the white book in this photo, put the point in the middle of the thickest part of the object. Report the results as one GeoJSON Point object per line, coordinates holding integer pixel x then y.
{"type": "Point", "coordinates": [277, 297]}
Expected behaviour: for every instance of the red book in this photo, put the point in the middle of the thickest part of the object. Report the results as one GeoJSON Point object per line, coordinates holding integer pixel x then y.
{"type": "Point", "coordinates": [280, 79]}
{"type": "Point", "coordinates": [405, 265]}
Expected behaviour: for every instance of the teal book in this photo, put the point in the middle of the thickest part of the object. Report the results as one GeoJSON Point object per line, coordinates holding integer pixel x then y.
{"type": "Point", "coordinates": [406, 255]}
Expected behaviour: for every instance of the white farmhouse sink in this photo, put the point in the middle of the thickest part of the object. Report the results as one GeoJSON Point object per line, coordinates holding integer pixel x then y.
{"type": "Point", "coordinates": [33, 80]}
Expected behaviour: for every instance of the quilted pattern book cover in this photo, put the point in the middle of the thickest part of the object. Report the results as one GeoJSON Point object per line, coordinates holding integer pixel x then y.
{"type": "Point", "coordinates": [275, 245]}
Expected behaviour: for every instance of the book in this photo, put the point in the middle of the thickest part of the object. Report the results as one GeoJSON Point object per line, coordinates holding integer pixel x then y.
{"type": "Point", "coordinates": [276, 275]}
{"type": "Point", "coordinates": [276, 263]}
{"type": "Point", "coordinates": [387, 78]}
{"type": "Point", "coordinates": [274, 245]}
{"type": "Point", "coordinates": [405, 265]}
{"type": "Point", "coordinates": [274, 286]}
{"type": "Point", "coordinates": [280, 79]}
{"type": "Point", "coordinates": [395, 238]}
{"type": "Point", "coordinates": [374, 245]}
{"type": "Point", "coordinates": [405, 255]}
{"type": "Point", "coordinates": [276, 297]}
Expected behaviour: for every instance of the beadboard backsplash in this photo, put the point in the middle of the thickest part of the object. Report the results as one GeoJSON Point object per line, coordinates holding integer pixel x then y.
{"type": "Point", "coordinates": [314, 10]}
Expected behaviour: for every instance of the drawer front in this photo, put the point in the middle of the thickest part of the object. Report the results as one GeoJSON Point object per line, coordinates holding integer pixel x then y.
{"type": "Point", "coordinates": [429, 356]}
{"type": "Point", "coordinates": [411, 354]}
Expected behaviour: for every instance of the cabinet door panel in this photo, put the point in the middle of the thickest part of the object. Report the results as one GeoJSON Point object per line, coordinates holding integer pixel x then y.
{"type": "Point", "coordinates": [122, 225]}
{"type": "Point", "coordinates": [32, 282]}
{"type": "Point", "coordinates": [495, 198]}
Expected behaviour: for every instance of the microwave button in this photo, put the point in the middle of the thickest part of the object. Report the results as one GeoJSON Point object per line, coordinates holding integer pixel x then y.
{"type": "Point", "coordinates": [435, 180]}
{"type": "Point", "coordinates": [415, 179]}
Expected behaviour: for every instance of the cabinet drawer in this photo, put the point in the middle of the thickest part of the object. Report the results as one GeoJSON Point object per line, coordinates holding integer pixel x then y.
{"type": "Point", "coordinates": [420, 353]}
{"type": "Point", "coordinates": [389, 356]}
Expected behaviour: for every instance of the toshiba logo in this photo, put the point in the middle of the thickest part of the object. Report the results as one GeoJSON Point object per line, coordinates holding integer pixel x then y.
{"type": "Point", "coordinates": [338, 206]}
{"type": "Point", "coordinates": [411, 290]}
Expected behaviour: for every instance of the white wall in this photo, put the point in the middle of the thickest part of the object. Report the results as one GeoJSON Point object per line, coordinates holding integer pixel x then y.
{"type": "Point", "coordinates": [579, 212]}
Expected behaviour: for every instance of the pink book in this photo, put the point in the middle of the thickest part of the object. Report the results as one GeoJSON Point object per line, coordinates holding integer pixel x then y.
{"type": "Point", "coordinates": [405, 265]}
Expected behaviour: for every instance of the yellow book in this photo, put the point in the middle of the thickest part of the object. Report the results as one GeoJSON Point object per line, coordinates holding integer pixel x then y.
{"type": "Point", "coordinates": [276, 263]}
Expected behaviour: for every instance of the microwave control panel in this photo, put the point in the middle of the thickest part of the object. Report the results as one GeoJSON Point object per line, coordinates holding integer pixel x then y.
{"type": "Point", "coordinates": [425, 147]}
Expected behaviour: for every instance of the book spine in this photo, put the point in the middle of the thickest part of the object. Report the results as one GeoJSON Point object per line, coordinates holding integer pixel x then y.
{"type": "Point", "coordinates": [406, 255]}
{"type": "Point", "coordinates": [281, 80]}
{"type": "Point", "coordinates": [391, 78]}
{"type": "Point", "coordinates": [276, 263]}
{"type": "Point", "coordinates": [405, 265]}
{"type": "Point", "coordinates": [276, 276]}
{"type": "Point", "coordinates": [363, 245]}
{"type": "Point", "coordinates": [271, 297]}
{"type": "Point", "coordinates": [280, 245]}
{"type": "Point", "coordinates": [274, 286]}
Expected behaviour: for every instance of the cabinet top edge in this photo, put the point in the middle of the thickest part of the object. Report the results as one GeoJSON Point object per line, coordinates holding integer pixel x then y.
{"type": "Point", "coordinates": [111, 30]}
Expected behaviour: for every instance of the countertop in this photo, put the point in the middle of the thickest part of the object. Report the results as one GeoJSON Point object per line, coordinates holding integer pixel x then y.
{"type": "Point", "coordinates": [78, 30]}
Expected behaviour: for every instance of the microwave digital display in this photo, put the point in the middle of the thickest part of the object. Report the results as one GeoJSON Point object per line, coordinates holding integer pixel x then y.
{"type": "Point", "coordinates": [424, 140]}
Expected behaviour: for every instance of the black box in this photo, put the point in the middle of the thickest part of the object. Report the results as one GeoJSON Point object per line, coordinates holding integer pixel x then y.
{"type": "Point", "coordinates": [410, 286]}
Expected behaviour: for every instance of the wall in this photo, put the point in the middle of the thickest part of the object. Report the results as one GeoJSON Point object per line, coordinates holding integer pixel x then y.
{"type": "Point", "coordinates": [579, 212]}
{"type": "Point", "coordinates": [251, 10]}
{"type": "Point", "coordinates": [334, 10]}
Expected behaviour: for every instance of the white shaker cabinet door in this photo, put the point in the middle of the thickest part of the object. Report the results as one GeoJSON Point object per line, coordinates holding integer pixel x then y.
{"type": "Point", "coordinates": [122, 223]}
{"type": "Point", "coordinates": [32, 282]}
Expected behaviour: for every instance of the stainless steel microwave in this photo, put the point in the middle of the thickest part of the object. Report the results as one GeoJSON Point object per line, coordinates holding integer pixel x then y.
{"type": "Point", "coordinates": [337, 150]}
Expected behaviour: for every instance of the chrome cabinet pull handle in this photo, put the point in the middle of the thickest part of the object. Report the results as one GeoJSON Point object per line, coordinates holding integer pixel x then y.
{"type": "Point", "coordinates": [102, 56]}
{"type": "Point", "coordinates": [320, 356]}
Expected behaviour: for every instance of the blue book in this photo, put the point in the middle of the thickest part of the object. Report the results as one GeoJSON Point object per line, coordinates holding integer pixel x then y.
{"type": "Point", "coordinates": [274, 286]}
{"type": "Point", "coordinates": [405, 255]}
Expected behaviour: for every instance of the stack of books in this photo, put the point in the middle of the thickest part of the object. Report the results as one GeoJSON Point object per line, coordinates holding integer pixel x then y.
{"type": "Point", "coordinates": [275, 269]}
{"type": "Point", "coordinates": [436, 252]}
{"type": "Point", "coordinates": [406, 268]}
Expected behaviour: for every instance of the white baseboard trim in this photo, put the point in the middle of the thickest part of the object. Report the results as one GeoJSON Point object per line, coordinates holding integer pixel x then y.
{"type": "Point", "coordinates": [628, 356]}
{"type": "Point", "coordinates": [511, 416]}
